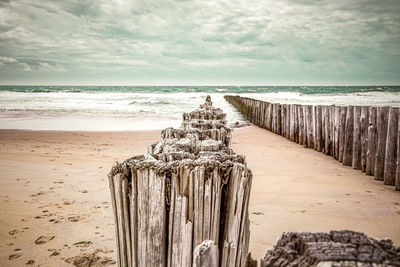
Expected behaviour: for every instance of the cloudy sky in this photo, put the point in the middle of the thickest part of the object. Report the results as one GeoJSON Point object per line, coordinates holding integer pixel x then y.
{"type": "Point", "coordinates": [201, 42]}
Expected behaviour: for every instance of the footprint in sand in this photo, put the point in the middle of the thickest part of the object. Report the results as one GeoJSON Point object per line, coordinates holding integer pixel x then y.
{"type": "Point", "coordinates": [13, 232]}
{"type": "Point", "coordinates": [83, 244]}
{"type": "Point", "coordinates": [90, 260]}
{"type": "Point", "coordinates": [30, 262]}
{"type": "Point", "coordinates": [75, 218]}
{"type": "Point", "coordinates": [44, 239]}
{"type": "Point", "coordinates": [14, 256]}
{"type": "Point", "coordinates": [66, 202]}
{"type": "Point", "coordinates": [105, 251]}
{"type": "Point", "coordinates": [55, 253]}
{"type": "Point", "coordinates": [84, 191]}
{"type": "Point", "coordinates": [258, 213]}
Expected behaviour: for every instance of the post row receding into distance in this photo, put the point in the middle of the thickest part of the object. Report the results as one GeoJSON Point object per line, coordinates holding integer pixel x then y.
{"type": "Point", "coordinates": [185, 203]}
{"type": "Point", "coordinates": [366, 138]}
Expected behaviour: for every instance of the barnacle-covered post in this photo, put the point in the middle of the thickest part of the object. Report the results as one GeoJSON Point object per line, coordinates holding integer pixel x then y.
{"type": "Point", "coordinates": [189, 188]}
{"type": "Point", "coordinates": [336, 248]}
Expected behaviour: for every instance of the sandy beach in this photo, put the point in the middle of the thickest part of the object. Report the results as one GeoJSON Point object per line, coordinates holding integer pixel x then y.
{"type": "Point", "coordinates": [55, 204]}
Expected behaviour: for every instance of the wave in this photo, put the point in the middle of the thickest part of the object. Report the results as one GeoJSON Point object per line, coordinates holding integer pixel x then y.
{"type": "Point", "coordinates": [200, 89]}
{"type": "Point", "coordinates": [144, 101]}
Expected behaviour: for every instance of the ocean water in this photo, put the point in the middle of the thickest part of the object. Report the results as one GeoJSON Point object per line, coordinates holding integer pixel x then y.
{"type": "Point", "coordinates": [110, 108]}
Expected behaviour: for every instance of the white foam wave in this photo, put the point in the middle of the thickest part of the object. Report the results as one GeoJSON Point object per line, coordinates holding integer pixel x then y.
{"type": "Point", "coordinates": [140, 111]}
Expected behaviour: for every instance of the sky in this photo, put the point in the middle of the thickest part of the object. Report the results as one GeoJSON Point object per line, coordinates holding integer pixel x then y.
{"type": "Point", "coordinates": [204, 42]}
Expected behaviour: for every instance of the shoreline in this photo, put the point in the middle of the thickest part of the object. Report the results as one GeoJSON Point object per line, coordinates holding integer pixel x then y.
{"type": "Point", "coordinates": [46, 173]}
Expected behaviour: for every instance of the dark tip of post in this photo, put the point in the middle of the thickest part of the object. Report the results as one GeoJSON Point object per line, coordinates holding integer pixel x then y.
{"type": "Point", "coordinates": [208, 100]}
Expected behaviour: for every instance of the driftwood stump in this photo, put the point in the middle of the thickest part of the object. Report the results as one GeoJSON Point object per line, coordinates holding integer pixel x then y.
{"type": "Point", "coordinates": [338, 248]}
{"type": "Point", "coordinates": [189, 188]}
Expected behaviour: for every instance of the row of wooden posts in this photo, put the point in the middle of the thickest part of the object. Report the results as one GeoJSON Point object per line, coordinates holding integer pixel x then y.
{"type": "Point", "coordinates": [185, 203]}
{"type": "Point", "coordinates": [365, 138]}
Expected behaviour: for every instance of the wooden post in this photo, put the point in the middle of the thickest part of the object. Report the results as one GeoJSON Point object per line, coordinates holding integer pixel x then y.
{"type": "Point", "coordinates": [327, 130]}
{"type": "Point", "coordinates": [364, 137]}
{"type": "Point", "coordinates": [323, 128]}
{"type": "Point", "coordinates": [389, 176]}
{"type": "Point", "coordinates": [310, 125]}
{"type": "Point", "coordinates": [372, 141]}
{"type": "Point", "coordinates": [296, 123]}
{"type": "Point", "coordinates": [300, 112]}
{"type": "Point", "coordinates": [270, 116]}
{"type": "Point", "coordinates": [318, 129]}
{"type": "Point", "coordinates": [336, 133]}
{"type": "Point", "coordinates": [279, 114]}
{"type": "Point", "coordinates": [342, 132]}
{"type": "Point", "coordinates": [397, 183]}
{"type": "Point", "coordinates": [382, 124]}
{"type": "Point", "coordinates": [348, 143]}
{"type": "Point", "coordinates": [336, 248]}
{"type": "Point", "coordinates": [357, 139]}
{"type": "Point", "coordinates": [284, 118]}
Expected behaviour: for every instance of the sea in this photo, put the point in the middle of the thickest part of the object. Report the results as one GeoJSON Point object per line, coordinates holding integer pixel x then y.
{"type": "Point", "coordinates": [127, 108]}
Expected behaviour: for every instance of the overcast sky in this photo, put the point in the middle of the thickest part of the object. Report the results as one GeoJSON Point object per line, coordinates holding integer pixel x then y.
{"type": "Point", "coordinates": [165, 42]}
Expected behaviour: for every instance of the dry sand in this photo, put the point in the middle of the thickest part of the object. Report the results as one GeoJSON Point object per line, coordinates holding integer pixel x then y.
{"type": "Point", "coordinates": [54, 185]}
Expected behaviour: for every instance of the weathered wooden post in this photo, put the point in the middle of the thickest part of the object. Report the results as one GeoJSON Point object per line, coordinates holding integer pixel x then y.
{"type": "Point", "coordinates": [372, 136]}
{"type": "Point", "coordinates": [382, 123]}
{"type": "Point", "coordinates": [336, 133]}
{"type": "Point", "coordinates": [389, 176]}
{"type": "Point", "coordinates": [397, 183]}
{"type": "Point", "coordinates": [342, 132]}
{"type": "Point", "coordinates": [356, 163]}
{"type": "Point", "coordinates": [364, 137]}
{"type": "Point", "coordinates": [318, 129]}
{"type": "Point", "coordinates": [310, 125]}
{"type": "Point", "coordinates": [189, 188]}
{"type": "Point", "coordinates": [300, 112]}
{"type": "Point", "coordinates": [348, 144]}
{"type": "Point", "coordinates": [336, 248]}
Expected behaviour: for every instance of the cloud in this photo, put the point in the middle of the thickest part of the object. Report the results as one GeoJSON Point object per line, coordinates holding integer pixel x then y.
{"type": "Point", "coordinates": [7, 63]}
{"type": "Point", "coordinates": [254, 41]}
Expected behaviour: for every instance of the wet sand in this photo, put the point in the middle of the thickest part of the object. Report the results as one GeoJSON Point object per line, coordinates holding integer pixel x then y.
{"type": "Point", "coordinates": [55, 204]}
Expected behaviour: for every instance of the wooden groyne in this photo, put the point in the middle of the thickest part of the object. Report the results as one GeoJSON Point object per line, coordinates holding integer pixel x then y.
{"type": "Point", "coordinates": [336, 248]}
{"type": "Point", "coordinates": [185, 203]}
{"type": "Point", "coordinates": [365, 138]}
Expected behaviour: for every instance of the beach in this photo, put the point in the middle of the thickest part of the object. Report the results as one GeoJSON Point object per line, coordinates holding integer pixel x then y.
{"type": "Point", "coordinates": [54, 190]}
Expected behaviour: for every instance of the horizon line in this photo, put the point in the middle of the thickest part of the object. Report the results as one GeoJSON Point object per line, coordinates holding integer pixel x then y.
{"type": "Point", "coordinates": [193, 85]}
